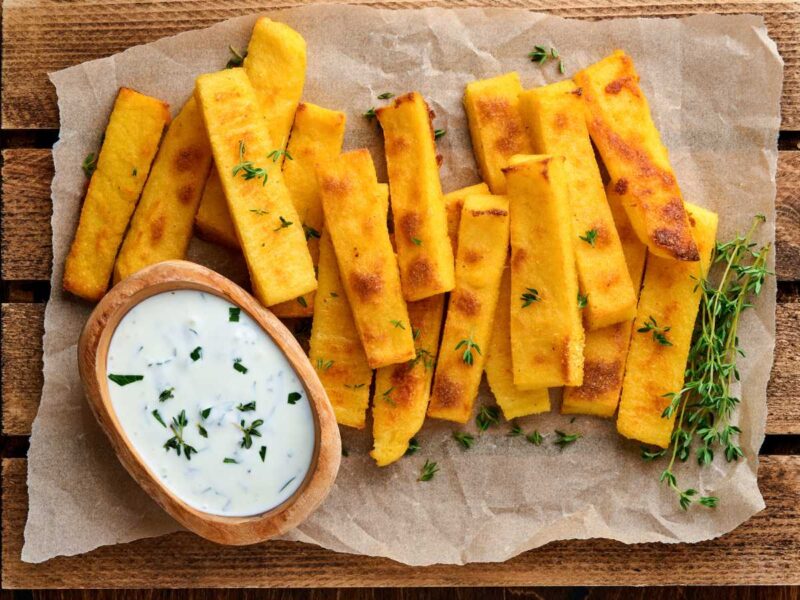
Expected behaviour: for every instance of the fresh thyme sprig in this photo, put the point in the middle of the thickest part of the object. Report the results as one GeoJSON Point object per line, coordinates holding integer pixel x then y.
{"type": "Point", "coordinates": [564, 439]}
{"type": "Point", "coordinates": [703, 408]}
{"type": "Point", "coordinates": [176, 442]}
{"type": "Point", "coordinates": [429, 469]}
{"type": "Point", "coordinates": [590, 237]}
{"type": "Point", "coordinates": [540, 55]}
{"type": "Point", "coordinates": [423, 356]}
{"type": "Point", "coordinates": [275, 155]}
{"type": "Point", "coordinates": [249, 431]}
{"type": "Point", "coordinates": [530, 296]}
{"type": "Point", "coordinates": [247, 168]}
{"type": "Point", "coordinates": [468, 344]}
{"type": "Point", "coordinates": [413, 447]}
{"type": "Point", "coordinates": [284, 223]}
{"type": "Point", "coordinates": [89, 164]}
{"type": "Point", "coordinates": [465, 439]}
{"type": "Point", "coordinates": [486, 417]}
{"type": "Point", "coordinates": [659, 333]}
{"type": "Point", "coordinates": [236, 59]}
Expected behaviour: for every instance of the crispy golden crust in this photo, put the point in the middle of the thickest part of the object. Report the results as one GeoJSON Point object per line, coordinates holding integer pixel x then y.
{"type": "Point", "coordinates": [317, 136]}
{"type": "Point", "coordinates": [276, 66]}
{"type": "Point", "coordinates": [268, 227]}
{"type": "Point", "coordinates": [162, 224]}
{"type": "Point", "coordinates": [424, 252]}
{"type": "Point", "coordinates": [496, 126]}
{"type": "Point", "coordinates": [619, 121]}
{"type": "Point", "coordinates": [554, 117]}
{"type": "Point", "coordinates": [546, 331]}
{"type": "Point", "coordinates": [482, 252]}
{"type": "Point", "coordinates": [669, 295]}
{"type": "Point", "coordinates": [513, 401]}
{"type": "Point", "coordinates": [130, 144]}
{"type": "Point", "coordinates": [400, 413]}
{"type": "Point", "coordinates": [356, 219]}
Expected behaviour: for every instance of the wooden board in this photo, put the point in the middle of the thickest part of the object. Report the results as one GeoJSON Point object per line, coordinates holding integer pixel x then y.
{"type": "Point", "coordinates": [765, 550]}
{"type": "Point", "coordinates": [46, 35]}
{"type": "Point", "coordinates": [40, 36]}
{"type": "Point", "coordinates": [27, 253]}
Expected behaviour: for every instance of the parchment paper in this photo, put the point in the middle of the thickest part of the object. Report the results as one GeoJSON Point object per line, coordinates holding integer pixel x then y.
{"type": "Point", "coordinates": [714, 85]}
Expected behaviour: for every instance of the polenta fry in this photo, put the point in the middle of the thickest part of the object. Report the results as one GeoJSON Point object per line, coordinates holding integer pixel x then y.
{"type": "Point", "coordinates": [266, 222]}
{"type": "Point", "coordinates": [482, 252]}
{"type": "Point", "coordinates": [424, 252]}
{"type": "Point", "coordinates": [371, 278]}
{"type": "Point", "coordinates": [131, 141]}
{"type": "Point", "coordinates": [162, 224]}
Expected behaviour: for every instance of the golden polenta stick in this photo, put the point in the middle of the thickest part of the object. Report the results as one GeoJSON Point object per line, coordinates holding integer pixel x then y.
{"type": "Point", "coordinates": [606, 349]}
{"type": "Point", "coordinates": [402, 391]}
{"type": "Point", "coordinates": [495, 125]}
{"type": "Point", "coordinates": [266, 222]}
{"type": "Point", "coordinates": [357, 224]}
{"type": "Point", "coordinates": [554, 117]}
{"type": "Point", "coordinates": [424, 252]}
{"type": "Point", "coordinates": [162, 224]}
{"type": "Point", "coordinates": [276, 66]}
{"type": "Point", "coordinates": [482, 252]}
{"type": "Point", "coordinates": [546, 330]}
{"type": "Point", "coordinates": [453, 203]}
{"type": "Point", "coordinates": [668, 306]}
{"type": "Point", "coordinates": [622, 128]}
{"type": "Point", "coordinates": [317, 136]}
{"type": "Point", "coordinates": [513, 401]}
{"type": "Point", "coordinates": [131, 141]}
{"type": "Point", "coordinates": [335, 348]}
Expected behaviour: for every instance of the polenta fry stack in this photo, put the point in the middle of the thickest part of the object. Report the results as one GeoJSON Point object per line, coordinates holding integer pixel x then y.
{"type": "Point", "coordinates": [662, 336]}
{"type": "Point", "coordinates": [513, 401]}
{"type": "Point", "coordinates": [546, 331]}
{"type": "Point", "coordinates": [622, 128]}
{"type": "Point", "coordinates": [482, 252]}
{"type": "Point", "coordinates": [554, 117]}
{"type": "Point", "coordinates": [335, 348]}
{"type": "Point", "coordinates": [266, 222]}
{"type": "Point", "coordinates": [424, 252]}
{"type": "Point", "coordinates": [131, 141]}
{"type": "Point", "coordinates": [495, 125]}
{"type": "Point", "coordinates": [453, 203]}
{"type": "Point", "coordinates": [276, 66]}
{"type": "Point", "coordinates": [402, 391]}
{"type": "Point", "coordinates": [162, 224]}
{"type": "Point", "coordinates": [606, 349]}
{"type": "Point", "coordinates": [317, 136]}
{"type": "Point", "coordinates": [371, 278]}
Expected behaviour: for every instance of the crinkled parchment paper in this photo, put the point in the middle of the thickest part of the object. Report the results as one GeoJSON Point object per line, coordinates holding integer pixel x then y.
{"type": "Point", "coordinates": [714, 85]}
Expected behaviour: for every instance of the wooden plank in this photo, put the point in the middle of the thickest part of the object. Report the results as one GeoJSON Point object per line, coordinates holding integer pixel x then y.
{"type": "Point", "coordinates": [46, 35]}
{"type": "Point", "coordinates": [22, 368]}
{"type": "Point", "coordinates": [21, 351]}
{"type": "Point", "coordinates": [26, 245]}
{"type": "Point", "coordinates": [765, 550]}
{"type": "Point", "coordinates": [27, 254]}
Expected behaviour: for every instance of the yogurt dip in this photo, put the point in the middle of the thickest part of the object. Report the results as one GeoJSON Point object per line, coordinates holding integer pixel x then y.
{"type": "Point", "coordinates": [210, 403]}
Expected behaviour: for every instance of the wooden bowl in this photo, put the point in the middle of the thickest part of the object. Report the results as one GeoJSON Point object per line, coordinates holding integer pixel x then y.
{"type": "Point", "coordinates": [92, 354]}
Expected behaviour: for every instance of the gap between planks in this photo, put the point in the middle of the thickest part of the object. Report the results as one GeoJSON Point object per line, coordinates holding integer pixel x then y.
{"type": "Point", "coordinates": [41, 36]}
{"type": "Point", "coordinates": [26, 210]}
{"type": "Point", "coordinates": [765, 550]}
{"type": "Point", "coordinates": [23, 327]}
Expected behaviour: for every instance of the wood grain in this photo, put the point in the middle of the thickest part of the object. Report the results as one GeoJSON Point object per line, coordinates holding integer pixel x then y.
{"type": "Point", "coordinates": [46, 35]}
{"type": "Point", "coordinates": [508, 593]}
{"type": "Point", "coordinates": [26, 210]}
{"type": "Point", "coordinates": [764, 550]}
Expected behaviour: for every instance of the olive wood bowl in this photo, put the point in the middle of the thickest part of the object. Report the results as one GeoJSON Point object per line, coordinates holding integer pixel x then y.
{"type": "Point", "coordinates": [92, 356]}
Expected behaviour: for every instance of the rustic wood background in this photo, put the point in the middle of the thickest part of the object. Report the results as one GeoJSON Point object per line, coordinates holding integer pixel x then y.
{"type": "Point", "coordinates": [39, 36]}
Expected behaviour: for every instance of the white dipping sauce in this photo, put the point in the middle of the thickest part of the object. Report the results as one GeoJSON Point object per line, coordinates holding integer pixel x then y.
{"type": "Point", "coordinates": [239, 374]}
